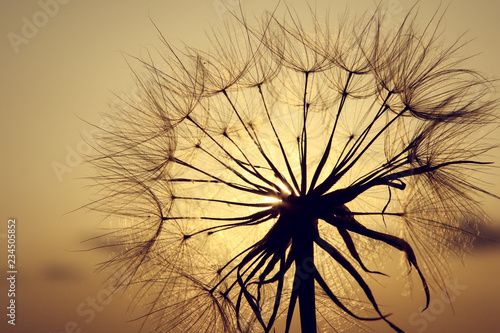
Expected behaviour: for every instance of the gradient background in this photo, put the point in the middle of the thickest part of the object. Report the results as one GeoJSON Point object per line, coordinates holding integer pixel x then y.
{"type": "Point", "coordinates": [67, 71]}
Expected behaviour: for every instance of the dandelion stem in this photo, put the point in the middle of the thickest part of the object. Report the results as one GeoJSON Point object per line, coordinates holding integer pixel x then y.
{"type": "Point", "coordinates": [335, 175]}
{"type": "Point", "coordinates": [230, 184]}
{"type": "Point", "coordinates": [303, 141]}
{"type": "Point", "coordinates": [254, 139]}
{"type": "Point", "coordinates": [304, 230]}
{"type": "Point", "coordinates": [236, 203]}
{"type": "Point", "coordinates": [288, 167]}
{"type": "Point", "coordinates": [326, 153]}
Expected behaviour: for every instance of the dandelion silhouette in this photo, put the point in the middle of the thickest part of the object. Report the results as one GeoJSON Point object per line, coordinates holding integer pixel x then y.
{"type": "Point", "coordinates": [278, 171]}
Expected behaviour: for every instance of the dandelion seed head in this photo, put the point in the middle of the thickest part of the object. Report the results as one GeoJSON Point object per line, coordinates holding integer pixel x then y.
{"type": "Point", "coordinates": [277, 171]}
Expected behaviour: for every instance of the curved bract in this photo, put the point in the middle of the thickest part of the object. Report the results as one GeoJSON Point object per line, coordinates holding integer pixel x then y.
{"type": "Point", "coordinates": [277, 171]}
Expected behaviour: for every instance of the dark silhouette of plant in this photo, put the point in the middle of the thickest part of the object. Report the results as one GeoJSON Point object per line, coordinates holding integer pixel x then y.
{"type": "Point", "coordinates": [279, 169]}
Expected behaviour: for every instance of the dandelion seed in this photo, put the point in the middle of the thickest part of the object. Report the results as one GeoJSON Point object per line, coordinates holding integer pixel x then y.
{"type": "Point", "coordinates": [275, 173]}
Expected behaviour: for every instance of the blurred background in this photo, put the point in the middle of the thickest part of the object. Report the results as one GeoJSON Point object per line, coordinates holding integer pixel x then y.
{"type": "Point", "coordinates": [61, 62]}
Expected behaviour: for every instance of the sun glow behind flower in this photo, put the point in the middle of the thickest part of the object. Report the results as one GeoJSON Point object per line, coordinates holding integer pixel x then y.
{"type": "Point", "coordinates": [269, 174]}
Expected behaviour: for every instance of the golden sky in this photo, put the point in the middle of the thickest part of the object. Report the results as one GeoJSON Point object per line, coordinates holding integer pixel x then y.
{"type": "Point", "coordinates": [60, 62]}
